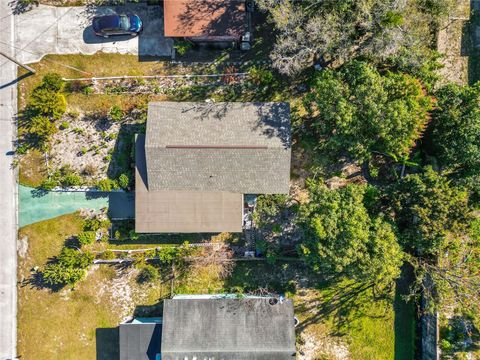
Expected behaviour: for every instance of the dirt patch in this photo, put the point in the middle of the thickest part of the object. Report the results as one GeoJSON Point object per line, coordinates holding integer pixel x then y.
{"type": "Point", "coordinates": [453, 41]}
{"type": "Point", "coordinates": [22, 246]}
{"type": "Point", "coordinates": [312, 347]}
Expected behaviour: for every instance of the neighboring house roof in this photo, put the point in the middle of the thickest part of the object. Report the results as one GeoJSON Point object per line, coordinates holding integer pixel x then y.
{"type": "Point", "coordinates": [230, 147]}
{"type": "Point", "coordinates": [240, 329]}
{"type": "Point", "coordinates": [166, 211]}
{"type": "Point", "coordinates": [205, 18]}
{"type": "Point", "coordinates": [139, 341]}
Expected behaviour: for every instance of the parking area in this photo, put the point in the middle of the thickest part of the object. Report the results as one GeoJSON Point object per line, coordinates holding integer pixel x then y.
{"type": "Point", "coordinates": [67, 30]}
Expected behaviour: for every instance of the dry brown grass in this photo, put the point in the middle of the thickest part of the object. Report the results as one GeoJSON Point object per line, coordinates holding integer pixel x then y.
{"type": "Point", "coordinates": [72, 324]}
{"type": "Point", "coordinates": [32, 168]}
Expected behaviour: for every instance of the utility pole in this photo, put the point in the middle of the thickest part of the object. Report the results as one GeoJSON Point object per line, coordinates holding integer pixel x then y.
{"type": "Point", "coordinates": [26, 67]}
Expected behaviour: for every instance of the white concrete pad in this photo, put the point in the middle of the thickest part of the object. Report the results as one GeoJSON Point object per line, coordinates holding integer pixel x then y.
{"type": "Point", "coordinates": [67, 30]}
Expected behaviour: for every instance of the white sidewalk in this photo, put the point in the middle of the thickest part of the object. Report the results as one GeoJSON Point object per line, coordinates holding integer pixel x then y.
{"type": "Point", "coordinates": [8, 189]}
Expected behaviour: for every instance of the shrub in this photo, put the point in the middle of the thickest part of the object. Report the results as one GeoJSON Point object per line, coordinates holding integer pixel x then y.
{"type": "Point", "coordinates": [182, 47]}
{"type": "Point", "coordinates": [108, 255]}
{"type": "Point", "coordinates": [87, 237]}
{"type": "Point", "coordinates": [116, 113]}
{"type": "Point", "coordinates": [88, 90]}
{"type": "Point", "coordinates": [107, 185]}
{"type": "Point", "coordinates": [74, 258]}
{"type": "Point", "coordinates": [94, 224]}
{"type": "Point", "coordinates": [148, 273]}
{"type": "Point", "coordinates": [41, 128]}
{"type": "Point", "coordinates": [123, 181]}
{"type": "Point", "coordinates": [49, 184]}
{"type": "Point", "coordinates": [48, 103]}
{"type": "Point", "coordinates": [56, 274]}
{"type": "Point", "coordinates": [260, 76]}
{"type": "Point", "coordinates": [71, 180]}
{"type": "Point", "coordinates": [69, 267]}
{"type": "Point", "coordinates": [53, 82]}
{"type": "Point", "coordinates": [64, 125]}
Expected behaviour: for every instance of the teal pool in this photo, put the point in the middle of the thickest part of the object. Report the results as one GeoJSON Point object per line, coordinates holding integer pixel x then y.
{"type": "Point", "coordinates": [37, 205]}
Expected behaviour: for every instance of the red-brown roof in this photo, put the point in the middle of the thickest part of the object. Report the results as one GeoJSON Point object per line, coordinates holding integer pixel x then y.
{"type": "Point", "coordinates": [204, 18]}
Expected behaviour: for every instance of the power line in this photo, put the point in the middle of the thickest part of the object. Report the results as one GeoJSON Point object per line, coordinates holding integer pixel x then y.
{"type": "Point", "coordinates": [52, 61]}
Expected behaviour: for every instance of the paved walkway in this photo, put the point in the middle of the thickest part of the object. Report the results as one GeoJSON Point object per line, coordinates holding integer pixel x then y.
{"type": "Point", "coordinates": [67, 30]}
{"type": "Point", "coordinates": [37, 205]}
{"type": "Point", "coordinates": [8, 238]}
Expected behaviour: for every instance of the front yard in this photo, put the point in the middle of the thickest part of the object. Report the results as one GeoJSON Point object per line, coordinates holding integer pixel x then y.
{"type": "Point", "coordinates": [93, 139]}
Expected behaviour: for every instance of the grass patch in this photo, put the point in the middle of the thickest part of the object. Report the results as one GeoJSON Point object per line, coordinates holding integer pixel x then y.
{"type": "Point", "coordinates": [33, 169]}
{"type": "Point", "coordinates": [79, 323]}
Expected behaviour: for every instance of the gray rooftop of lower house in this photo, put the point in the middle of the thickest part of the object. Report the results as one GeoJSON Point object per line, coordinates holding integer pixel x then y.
{"type": "Point", "coordinates": [243, 329]}
{"type": "Point", "coordinates": [139, 341]}
{"type": "Point", "coordinates": [233, 147]}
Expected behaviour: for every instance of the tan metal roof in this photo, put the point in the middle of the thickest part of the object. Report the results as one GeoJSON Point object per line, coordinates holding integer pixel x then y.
{"type": "Point", "coordinates": [182, 211]}
{"type": "Point", "coordinates": [204, 18]}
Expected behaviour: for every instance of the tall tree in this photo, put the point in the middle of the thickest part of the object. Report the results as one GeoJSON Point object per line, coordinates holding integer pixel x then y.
{"type": "Point", "coordinates": [359, 110]}
{"type": "Point", "coordinates": [427, 209]}
{"type": "Point", "coordinates": [343, 238]}
{"type": "Point", "coordinates": [342, 29]}
{"type": "Point", "coordinates": [455, 129]}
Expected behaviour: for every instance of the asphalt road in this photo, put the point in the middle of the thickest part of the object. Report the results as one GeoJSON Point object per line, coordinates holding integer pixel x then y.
{"type": "Point", "coordinates": [8, 189]}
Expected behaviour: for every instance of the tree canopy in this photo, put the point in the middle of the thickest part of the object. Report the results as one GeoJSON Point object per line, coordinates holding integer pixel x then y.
{"type": "Point", "coordinates": [455, 129]}
{"type": "Point", "coordinates": [343, 238]}
{"type": "Point", "coordinates": [343, 29]}
{"type": "Point", "coordinates": [427, 208]}
{"type": "Point", "coordinates": [359, 110]}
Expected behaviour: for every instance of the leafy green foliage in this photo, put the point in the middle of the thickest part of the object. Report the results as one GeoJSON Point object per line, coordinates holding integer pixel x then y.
{"type": "Point", "coordinates": [107, 185]}
{"type": "Point", "coordinates": [53, 82]}
{"type": "Point", "coordinates": [41, 128]}
{"type": "Point", "coordinates": [182, 47]}
{"type": "Point", "coordinates": [64, 177]}
{"type": "Point", "coordinates": [123, 181]}
{"type": "Point", "coordinates": [455, 129]}
{"type": "Point", "coordinates": [68, 268]}
{"type": "Point", "coordinates": [343, 238]}
{"type": "Point", "coordinates": [56, 275]}
{"type": "Point", "coordinates": [148, 273]}
{"type": "Point", "coordinates": [116, 113]}
{"type": "Point", "coordinates": [359, 110]}
{"type": "Point", "coordinates": [94, 224]}
{"type": "Point", "coordinates": [260, 76]}
{"type": "Point", "coordinates": [48, 103]}
{"type": "Point", "coordinates": [268, 207]}
{"type": "Point", "coordinates": [325, 31]}
{"type": "Point", "coordinates": [427, 208]}
{"type": "Point", "coordinates": [86, 237]}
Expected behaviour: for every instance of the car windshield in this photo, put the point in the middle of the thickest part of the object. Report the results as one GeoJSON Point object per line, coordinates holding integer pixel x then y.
{"type": "Point", "coordinates": [124, 22]}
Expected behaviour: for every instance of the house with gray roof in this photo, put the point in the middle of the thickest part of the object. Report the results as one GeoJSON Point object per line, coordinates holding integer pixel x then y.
{"type": "Point", "coordinates": [217, 327]}
{"type": "Point", "coordinates": [197, 160]}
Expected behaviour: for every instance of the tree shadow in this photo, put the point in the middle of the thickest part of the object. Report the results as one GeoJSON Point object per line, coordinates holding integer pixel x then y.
{"type": "Point", "coordinates": [405, 316]}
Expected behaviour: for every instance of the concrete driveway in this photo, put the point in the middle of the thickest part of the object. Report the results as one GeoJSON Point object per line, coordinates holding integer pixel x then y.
{"type": "Point", "coordinates": [67, 30]}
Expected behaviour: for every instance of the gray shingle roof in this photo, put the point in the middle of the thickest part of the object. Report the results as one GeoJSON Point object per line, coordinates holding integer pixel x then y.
{"type": "Point", "coordinates": [250, 329]}
{"type": "Point", "coordinates": [235, 147]}
{"type": "Point", "coordinates": [139, 341]}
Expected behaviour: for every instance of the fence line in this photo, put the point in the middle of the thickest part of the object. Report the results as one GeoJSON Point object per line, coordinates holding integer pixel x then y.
{"type": "Point", "coordinates": [186, 76]}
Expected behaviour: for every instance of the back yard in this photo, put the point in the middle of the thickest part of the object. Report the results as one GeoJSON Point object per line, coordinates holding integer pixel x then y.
{"type": "Point", "coordinates": [337, 320]}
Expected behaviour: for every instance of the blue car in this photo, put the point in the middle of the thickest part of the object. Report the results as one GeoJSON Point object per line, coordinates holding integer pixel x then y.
{"type": "Point", "coordinates": [117, 24]}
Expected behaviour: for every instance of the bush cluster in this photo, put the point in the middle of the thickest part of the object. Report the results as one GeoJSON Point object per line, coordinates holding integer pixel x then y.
{"type": "Point", "coordinates": [68, 268]}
